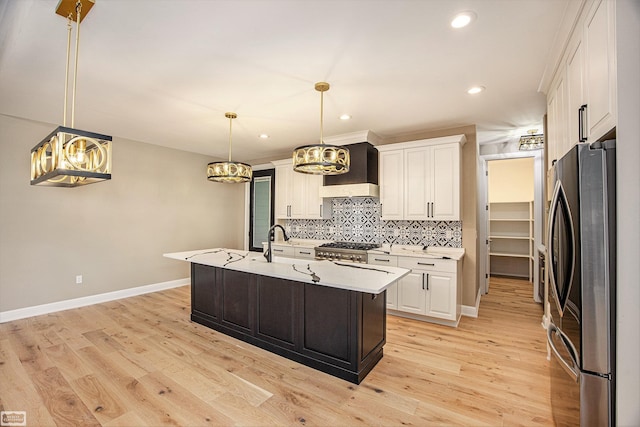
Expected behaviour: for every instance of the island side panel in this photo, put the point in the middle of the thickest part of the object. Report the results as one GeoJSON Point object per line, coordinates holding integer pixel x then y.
{"type": "Point", "coordinates": [374, 323]}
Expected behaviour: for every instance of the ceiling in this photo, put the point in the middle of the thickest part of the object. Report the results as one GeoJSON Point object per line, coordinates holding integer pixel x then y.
{"type": "Point", "coordinates": [166, 71]}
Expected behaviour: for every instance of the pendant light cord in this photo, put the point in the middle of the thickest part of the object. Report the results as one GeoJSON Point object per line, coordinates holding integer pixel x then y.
{"type": "Point", "coordinates": [321, 116]}
{"type": "Point", "coordinates": [230, 125]}
{"type": "Point", "coordinates": [66, 73]}
{"type": "Point", "coordinates": [75, 70]}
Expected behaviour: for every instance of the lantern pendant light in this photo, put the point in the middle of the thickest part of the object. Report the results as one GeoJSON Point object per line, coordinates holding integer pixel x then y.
{"type": "Point", "coordinates": [321, 159]}
{"type": "Point", "coordinates": [70, 157]}
{"type": "Point", "coordinates": [229, 172]}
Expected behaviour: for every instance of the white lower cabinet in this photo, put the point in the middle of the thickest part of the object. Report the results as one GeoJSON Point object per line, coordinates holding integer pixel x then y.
{"type": "Point", "coordinates": [432, 291]}
{"type": "Point", "coordinates": [412, 294]}
{"type": "Point", "coordinates": [428, 293]}
{"type": "Point", "coordinates": [441, 295]}
{"type": "Point", "coordinates": [290, 251]}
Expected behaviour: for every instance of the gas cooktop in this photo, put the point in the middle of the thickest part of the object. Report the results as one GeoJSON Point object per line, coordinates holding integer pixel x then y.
{"type": "Point", "coordinates": [354, 246]}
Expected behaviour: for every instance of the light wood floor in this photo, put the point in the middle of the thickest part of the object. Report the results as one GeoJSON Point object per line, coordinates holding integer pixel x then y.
{"type": "Point", "coordinates": [140, 361]}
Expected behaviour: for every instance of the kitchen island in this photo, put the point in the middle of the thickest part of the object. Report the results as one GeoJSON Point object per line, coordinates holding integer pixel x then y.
{"type": "Point", "coordinates": [330, 316]}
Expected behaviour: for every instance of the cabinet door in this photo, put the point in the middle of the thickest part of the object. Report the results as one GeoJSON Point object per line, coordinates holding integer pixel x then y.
{"type": "Point", "coordinates": [562, 138]}
{"type": "Point", "coordinates": [283, 191]}
{"type": "Point", "coordinates": [298, 201]}
{"type": "Point", "coordinates": [600, 69]}
{"type": "Point", "coordinates": [445, 182]}
{"type": "Point", "coordinates": [312, 199]}
{"type": "Point", "coordinates": [552, 126]}
{"type": "Point", "coordinates": [575, 92]}
{"type": "Point", "coordinates": [392, 296]}
{"type": "Point", "coordinates": [205, 298]}
{"type": "Point", "coordinates": [391, 184]}
{"type": "Point", "coordinates": [412, 293]}
{"type": "Point", "coordinates": [417, 183]}
{"type": "Point", "coordinates": [441, 295]}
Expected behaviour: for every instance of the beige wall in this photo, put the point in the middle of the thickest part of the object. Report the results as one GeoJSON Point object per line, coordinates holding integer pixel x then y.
{"type": "Point", "coordinates": [511, 180]}
{"type": "Point", "coordinates": [112, 233]}
{"type": "Point", "coordinates": [469, 202]}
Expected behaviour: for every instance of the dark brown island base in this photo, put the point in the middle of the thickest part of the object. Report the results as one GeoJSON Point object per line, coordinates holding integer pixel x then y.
{"type": "Point", "coordinates": [337, 331]}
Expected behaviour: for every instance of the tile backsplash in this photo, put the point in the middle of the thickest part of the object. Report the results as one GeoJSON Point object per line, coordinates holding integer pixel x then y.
{"type": "Point", "coordinates": [357, 219]}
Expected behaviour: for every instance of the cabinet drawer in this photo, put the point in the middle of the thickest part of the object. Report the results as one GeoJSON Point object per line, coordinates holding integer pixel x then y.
{"type": "Point", "coordinates": [283, 250]}
{"type": "Point", "coordinates": [427, 264]}
{"type": "Point", "coordinates": [381, 259]}
{"type": "Point", "coordinates": [305, 253]}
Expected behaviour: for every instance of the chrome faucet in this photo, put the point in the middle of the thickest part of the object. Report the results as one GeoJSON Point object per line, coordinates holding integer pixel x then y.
{"type": "Point", "coordinates": [271, 236]}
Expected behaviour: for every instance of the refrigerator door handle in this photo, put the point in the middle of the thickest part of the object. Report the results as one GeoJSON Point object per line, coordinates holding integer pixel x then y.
{"type": "Point", "coordinates": [551, 227]}
{"type": "Point", "coordinates": [573, 370]}
{"type": "Point", "coordinates": [559, 197]}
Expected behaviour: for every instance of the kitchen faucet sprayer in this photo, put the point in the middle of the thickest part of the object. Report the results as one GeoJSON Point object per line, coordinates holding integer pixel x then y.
{"type": "Point", "coordinates": [271, 235]}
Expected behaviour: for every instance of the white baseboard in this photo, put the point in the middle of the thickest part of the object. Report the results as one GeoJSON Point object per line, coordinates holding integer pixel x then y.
{"type": "Point", "coordinates": [37, 310]}
{"type": "Point", "coordinates": [471, 311]}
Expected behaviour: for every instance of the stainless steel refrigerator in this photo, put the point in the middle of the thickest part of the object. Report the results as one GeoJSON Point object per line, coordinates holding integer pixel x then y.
{"type": "Point", "coordinates": [582, 286]}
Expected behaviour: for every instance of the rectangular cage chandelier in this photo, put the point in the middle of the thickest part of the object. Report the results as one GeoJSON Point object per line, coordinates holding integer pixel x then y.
{"type": "Point", "coordinates": [70, 157]}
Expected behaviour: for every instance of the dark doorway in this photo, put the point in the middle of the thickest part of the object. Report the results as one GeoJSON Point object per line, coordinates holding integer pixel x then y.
{"type": "Point", "coordinates": [261, 210]}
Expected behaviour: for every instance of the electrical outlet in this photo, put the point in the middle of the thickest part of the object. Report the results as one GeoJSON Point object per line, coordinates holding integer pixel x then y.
{"type": "Point", "coordinates": [79, 280]}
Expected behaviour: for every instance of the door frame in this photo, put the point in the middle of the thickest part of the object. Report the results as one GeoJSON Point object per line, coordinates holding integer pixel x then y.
{"type": "Point", "coordinates": [257, 171]}
{"type": "Point", "coordinates": [539, 174]}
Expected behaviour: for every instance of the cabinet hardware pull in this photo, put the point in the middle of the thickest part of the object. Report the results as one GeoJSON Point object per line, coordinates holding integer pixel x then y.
{"type": "Point", "coordinates": [427, 281]}
{"type": "Point", "coordinates": [277, 250]}
{"type": "Point", "coordinates": [378, 259]}
{"type": "Point", "coordinates": [426, 263]}
{"type": "Point", "coordinates": [423, 281]}
{"type": "Point", "coordinates": [432, 210]}
{"type": "Point", "coordinates": [320, 211]}
{"type": "Point", "coordinates": [305, 253]}
{"type": "Point", "coordinates": [581, 121]}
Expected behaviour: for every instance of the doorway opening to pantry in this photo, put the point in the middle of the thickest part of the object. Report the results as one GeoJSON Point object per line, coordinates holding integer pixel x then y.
{"type": "Point", "coordinates": [511, 218]}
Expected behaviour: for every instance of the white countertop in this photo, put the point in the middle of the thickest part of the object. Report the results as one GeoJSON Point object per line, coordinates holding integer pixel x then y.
{"type": "Point", "coordinates": [344, 275]}
{"type": "Point", "coordinates": [433, 252]}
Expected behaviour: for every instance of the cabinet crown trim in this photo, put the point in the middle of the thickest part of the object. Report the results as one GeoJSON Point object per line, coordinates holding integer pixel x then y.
{"type": "Point", "coordinates": [459, 139]}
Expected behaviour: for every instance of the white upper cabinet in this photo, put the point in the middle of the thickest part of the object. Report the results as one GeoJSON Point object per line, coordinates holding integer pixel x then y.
{"type": "Point", "coordinates": [297, 194]}
{"type": "Point", "coordinates": [420, 180]}
{"type": "Point", "coordinates": [391, 183]}
{"type": "Point", "coordinates": [445, 183]}
{"type": "Point", "coordinates": [283, 191]}
{"type": "Point", "coordinates": [581, 101]}
{"type": "Point", "coordinates": [418, 177]}
{"type": "Point", "coordinates": [600, 66]}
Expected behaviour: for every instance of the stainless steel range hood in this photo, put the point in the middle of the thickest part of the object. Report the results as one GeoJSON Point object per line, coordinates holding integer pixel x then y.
{"type": "Point", "coordinates": [362, 178]}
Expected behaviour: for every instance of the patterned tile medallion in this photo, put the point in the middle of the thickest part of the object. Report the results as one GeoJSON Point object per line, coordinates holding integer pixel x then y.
{"type": "Point", "coordinates": [357, 219]}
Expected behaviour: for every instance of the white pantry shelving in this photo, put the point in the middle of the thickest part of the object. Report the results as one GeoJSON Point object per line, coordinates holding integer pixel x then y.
{"type": "Point", "coordinates": [511, 237]}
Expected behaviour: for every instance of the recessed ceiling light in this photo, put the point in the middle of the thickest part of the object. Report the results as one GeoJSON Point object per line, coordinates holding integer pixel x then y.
{"type": "Point", "coordinates": [345, 117]}
{"type": "Point", "coordinates": [264, 136]}
{"type": "Point", "coordinates": [475, 89]}
{"type": "Point", "coordinates": [463, 19]}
